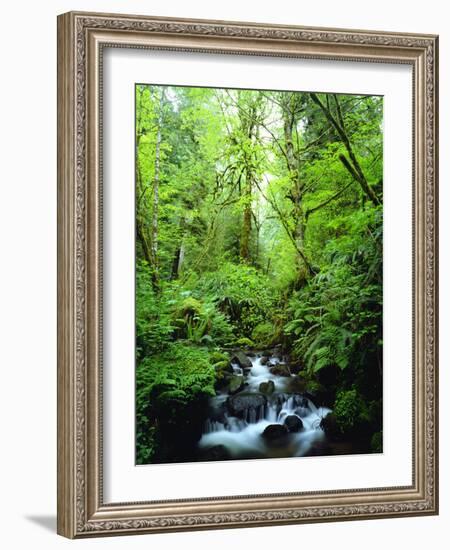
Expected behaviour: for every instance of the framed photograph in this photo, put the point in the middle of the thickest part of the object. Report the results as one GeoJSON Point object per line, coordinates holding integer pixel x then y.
{"type": "Point", "coordinates": [247, 276]}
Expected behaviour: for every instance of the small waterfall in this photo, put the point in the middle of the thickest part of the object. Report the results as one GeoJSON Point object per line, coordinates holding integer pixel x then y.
{"type": "Point", "coordinates": [235, 424]}
{"type": "Point", "coordinates": [236, 368]}
{"type": "Point", "coordinates": [212, 426]}
{"type": "Point", "coordinates": [242, 436]}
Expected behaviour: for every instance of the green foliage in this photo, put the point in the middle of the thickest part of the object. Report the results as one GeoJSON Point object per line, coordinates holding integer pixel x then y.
{"type": "Point", "coordinates": [201, 322]}
{"type": "Point", "coordinates": [216, 356]}
{"type": "Point", "coordinates": [242, 293]}
{"type": "Point", "coordinates": [222, 365]}
{"type": "Point", "coordinates": [264, 334]}
{"type": "Point", "coordinates": [189, 308]}
{"type": "Point", "coordinates": [336, 317]}
{"type": "Point", "coordinates": [350, 410]}
{"type": "Point", "coordinates": [222, 371]}
{"type": "Point", "coordinates": [314, 386]}
{"type": "Point", "coordinates": [166, 385]}
{"type": "Point", "coordinates": [182, 366]}
{"type": "Point", "coordinates": [154, 325]}
{"type": "Point", "coordinates": [244, 342]}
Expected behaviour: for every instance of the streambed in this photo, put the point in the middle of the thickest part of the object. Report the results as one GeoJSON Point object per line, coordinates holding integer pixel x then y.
{"type": "Point", "coordinates": [261, 414]}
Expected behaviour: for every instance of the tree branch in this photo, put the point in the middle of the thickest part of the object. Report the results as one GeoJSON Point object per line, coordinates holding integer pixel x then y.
{"type": "Point", "coordinates": [252, 119]}
{"type": "Point", "coordinates": [286, 227]}
{"type": "Point", "coordinates": [353, 165]}
{"type": "Point", "coordinates": [324, 203]}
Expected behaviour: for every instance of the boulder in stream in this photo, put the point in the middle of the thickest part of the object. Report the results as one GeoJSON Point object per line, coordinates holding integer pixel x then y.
{"type": "Point", "coordinates": [293, 423]}
{"type": "Point", "coordinates": [240, 403]}
{"type": "Point", "coordinates": [221, 367]}
{"type": "Point", "coordinates": [224, 371]}
{"type": "Point", "coordinates": [275, 434]}
{"type": "Point", "coordinates": [264, 360]}
{"type": "Point", "coordinates": [280, 370]}
{"type": "Point", "coordinates": [242, 360]}
{"type": "Point", "coordinates": [267, 387]}
{"type": "Point", "coordinates": [218, 452]}
{"type": "Point", "coordinates": [236, 382]}
{"type": "Point", "coordinates": [297, 384]}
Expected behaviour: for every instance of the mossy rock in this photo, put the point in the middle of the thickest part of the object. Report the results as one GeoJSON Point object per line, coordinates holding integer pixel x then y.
{"type": "Point", "coordinates": [280, 370]}
{"type": "Point", "coordinates": [236, 383]}
{"type": "Point", "coordinates": [224, 371]}
{"type": "Point", "coordinates": [267, 388]}
{"type": "Point", "coordinates": [242, 360]}
{"type": "Point", "coordinates": [217, 356]}
{"type": "Point", "coordinates": [223, 366]}
{"type": "Point", "coordinates": [190, 307]}
{"type": "Point", "coordinates": [245, 342]}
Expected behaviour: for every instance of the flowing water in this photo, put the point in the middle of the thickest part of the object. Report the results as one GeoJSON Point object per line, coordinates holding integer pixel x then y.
{"type": "Point", "coordinates": [237, 431]}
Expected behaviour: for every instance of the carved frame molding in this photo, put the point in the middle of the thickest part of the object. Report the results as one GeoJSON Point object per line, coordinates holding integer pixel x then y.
{"type": "Point", "coordinates": [81, 39]}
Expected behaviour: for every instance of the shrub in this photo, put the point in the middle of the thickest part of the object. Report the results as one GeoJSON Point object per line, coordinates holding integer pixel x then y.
{"type": "Point", "coordinates": [242, 293]}
{"type": "Point", "coordinates": [336, 318]}
{"type": "Point", "coordinates": [200, 322]}
{"type": "Point", "coordinates": [264, 334]}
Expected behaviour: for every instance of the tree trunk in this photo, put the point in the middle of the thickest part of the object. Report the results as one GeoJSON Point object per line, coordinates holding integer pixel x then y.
{"type": "Point", "coordinates": [146, 249]}
{"type": "Point", "coordinates": [140, 229]}
{"type": "Point", "coordinates": [179, 253]}
{"type": "Point", "coordinates": [249, 127]}
{"type": "Point", "coordinates": [246, 222]}
{"type": "Point", "coordinates": [296, 192]}
{"type": "Point", "coordinates": [155, 208]}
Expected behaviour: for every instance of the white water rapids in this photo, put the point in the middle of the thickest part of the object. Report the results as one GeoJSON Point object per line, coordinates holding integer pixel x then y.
{"type": "Point", "coordinates": [242, 436]}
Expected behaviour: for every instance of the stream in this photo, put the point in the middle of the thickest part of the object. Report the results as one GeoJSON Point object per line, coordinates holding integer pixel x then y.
{"type": "Point", "coordinates": [260, 414]}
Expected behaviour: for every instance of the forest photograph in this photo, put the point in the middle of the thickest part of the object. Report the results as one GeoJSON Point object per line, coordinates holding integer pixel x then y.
{"type": "Point", "coordinates": [259, 274]}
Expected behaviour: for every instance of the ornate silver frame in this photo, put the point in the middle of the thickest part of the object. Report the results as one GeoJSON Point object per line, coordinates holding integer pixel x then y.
{"type": "Point", "coordinates": [81, 510]}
